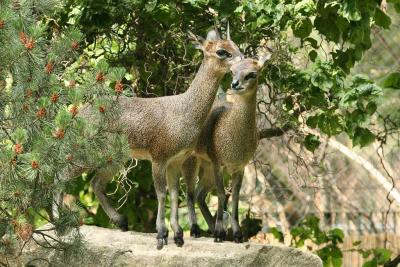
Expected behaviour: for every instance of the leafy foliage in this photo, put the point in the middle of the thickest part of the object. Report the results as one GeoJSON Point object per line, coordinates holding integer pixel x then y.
{"type": "Point", "coordinates": [42, 130]}
{"type": "Point", "coordinates": [392, 81]}
{"type": "Point", "coordinates": [328, 244]}
{"type": "Point", "coordinates": [373, 257]}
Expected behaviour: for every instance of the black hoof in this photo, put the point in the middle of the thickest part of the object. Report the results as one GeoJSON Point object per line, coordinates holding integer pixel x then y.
{"type": "Point", "coordinates": [238, 237]}
{"type": "Point", "coordinates": [162, 239]}
{"type": "Point", "coordinates": [179, 241]}
{"type": "Point", "coordinates": [160, 243]}
{"type": "Point", "coordinates": [123, 224]}
{"type": "Point", "coordinates": [219, 236]}
{"type": "Point", "coordinates": [195, 231]}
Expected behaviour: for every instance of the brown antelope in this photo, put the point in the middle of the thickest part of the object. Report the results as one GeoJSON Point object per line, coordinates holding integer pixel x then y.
{"type": "Point", "coordinates": [228, 141]}
{"type": "Point", "coordinates": [165, 131]}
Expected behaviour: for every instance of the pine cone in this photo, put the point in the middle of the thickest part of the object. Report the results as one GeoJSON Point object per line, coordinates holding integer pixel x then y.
{"type": "Point", "coordinates": [74, 45]}
{"type": "Point", "coordinates": [100, 77]}
{"type": "Point", "coordinates": [59, 134]}
{"type": "Point", "coordinates": [49, 68]}
{"type": "Point", "coordinates": [24, 231]}
{"type": "Point", "coordinates": [18, 148]}
{"type": "Point", "coordinates": [54, 97]}
{"type": "Point", "coordinates": [102, 109]}
{"type": "Point", "coordinates": [119, 87]}
{"type": "Point", "coordinates": [41, 113]}
{"type": "Point", "coordinates": [35, 164]}
{"type": "Point", "coordinates": [73, 110]}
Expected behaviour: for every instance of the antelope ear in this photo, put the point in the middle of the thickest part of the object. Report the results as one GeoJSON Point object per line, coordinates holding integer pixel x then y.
{"type": "Point", "coordinates": [213, 35]}
{"type": "Point", "coordinates": [196, 40]}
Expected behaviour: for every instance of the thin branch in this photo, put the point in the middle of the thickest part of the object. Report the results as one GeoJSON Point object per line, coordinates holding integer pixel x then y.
{"type": "Point", "coordinates": [393, 263]}
{"type": "Point", "coordinates": [272, 132]}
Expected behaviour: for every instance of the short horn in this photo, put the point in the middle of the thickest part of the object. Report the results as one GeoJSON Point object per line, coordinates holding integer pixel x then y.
{"type": "Point", "coordinates": [228, 32]}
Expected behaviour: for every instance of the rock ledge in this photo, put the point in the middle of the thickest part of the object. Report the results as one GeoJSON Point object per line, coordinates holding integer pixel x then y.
{"type": "Point", "coordinates": [116, 248]}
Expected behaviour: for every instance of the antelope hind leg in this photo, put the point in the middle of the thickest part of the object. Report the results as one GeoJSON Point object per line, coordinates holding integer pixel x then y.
{"type": "Point", "coordinates": [173, 186]}
{"type": "Point", "coordinates": [206, 183]}
{"type": "Point", "coordinates": [190, 172]}
{"type": "Point", "coordinates": [160, 185]}
{"type": "Point", "coordinates": [99, 182]}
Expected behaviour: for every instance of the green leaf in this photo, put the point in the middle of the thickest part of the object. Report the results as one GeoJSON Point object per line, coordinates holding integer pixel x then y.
{"type": "Point", "coordinates": [381, 19]}
{"type": "Point", "coordinates": [324, 25]}
{"type": "Point", "coordinates": [330, 124]}
{"type": "Point", "coordinates": [336, 234]}
{"type": "Point", "coordinates": [392, 81]}
{"type": "Point", "coordinates": [302, 28]}
{"type": "Point", "coordinates": [363, 137]}
{"type": "Point", "coordinates": [371, 263]}
{"type": "Point", "coordinates": [350, 10]}
{"type": "Point", "coordinates": [371, 108]}
{"type": "Point", "coordinates": [365, 253]}
{"type": "Point", "coordinates": [239, 9]}
{"type": "Point", "coordinates": [311, 142]}
{"type": "Point", "coordinates": [312, 41]}
{"type": "Point", "coordinates": [356, 243]}
{"type": "Point", "coordinates": [151, 5]}
{"type": "Point", "coordinates": [382, 255]}
{"type": "Point", "coordinates": [321, 80]}
{"type": "Point", "coordinates": [358, 116]}
{"type": "Point", "coordinates": [277, 234]}
{"type": "Point", "coordinates": [312, 121]}
{"type": "Point", "coordinates": [313, 55]}
{"type": "Point", "coordinates": [337, 257]}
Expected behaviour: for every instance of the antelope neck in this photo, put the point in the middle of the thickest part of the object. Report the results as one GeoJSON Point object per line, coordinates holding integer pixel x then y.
{"type": "Point", "coordinates": [201, 94]}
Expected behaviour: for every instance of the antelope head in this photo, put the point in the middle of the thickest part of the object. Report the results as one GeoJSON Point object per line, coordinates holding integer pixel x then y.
{"type": "Point", "coordinates": [222, 53]}
{"type": "Point", "coordinates": [245, 74]}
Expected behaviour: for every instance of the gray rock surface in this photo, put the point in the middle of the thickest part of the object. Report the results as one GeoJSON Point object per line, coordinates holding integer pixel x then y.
{"type": "Point", "coordinates": [110, 247]}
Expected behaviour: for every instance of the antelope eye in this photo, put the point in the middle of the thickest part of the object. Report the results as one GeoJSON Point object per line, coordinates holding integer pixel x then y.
{"type": "Point", "coordinates": [251, 75]}
{"type": "Point", "coordinates": [223, 53]}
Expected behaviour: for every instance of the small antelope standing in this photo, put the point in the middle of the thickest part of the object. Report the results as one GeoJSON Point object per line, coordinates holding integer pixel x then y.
{"type": "Point", "coordinates": [165, 131]}
{"type": "Point", "coordinates": [228, 141]}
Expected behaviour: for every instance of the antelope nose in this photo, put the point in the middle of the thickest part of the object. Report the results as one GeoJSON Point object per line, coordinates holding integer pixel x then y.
{"type": "Point", "coordinates": [234, 84]}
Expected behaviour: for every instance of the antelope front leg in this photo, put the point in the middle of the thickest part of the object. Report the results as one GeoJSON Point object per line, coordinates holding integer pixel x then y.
{"type": "Point", "coordinates": [189, 172]}
{"type": "Point", "coordinates": [237, 179]}
{"type": "Point", "coordinates": [161, 191]}
{"type": "Point", "coordinates": [219, 232]}
{"type": "Point", "coordinates": [173, 186]}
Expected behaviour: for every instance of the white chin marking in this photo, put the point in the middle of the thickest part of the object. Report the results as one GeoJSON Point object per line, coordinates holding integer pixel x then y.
{"type": "Point", "coordinates": [238, 92]}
